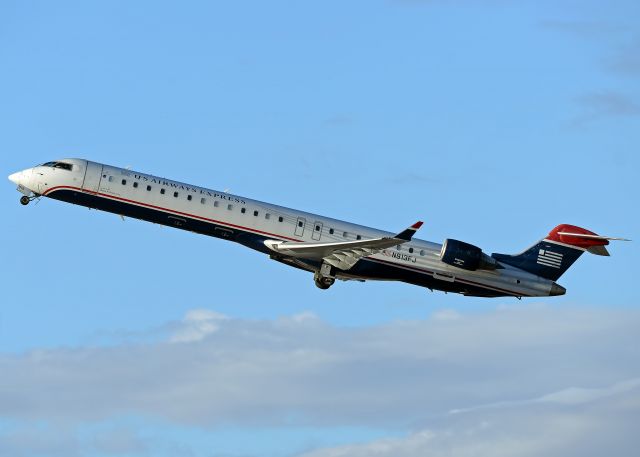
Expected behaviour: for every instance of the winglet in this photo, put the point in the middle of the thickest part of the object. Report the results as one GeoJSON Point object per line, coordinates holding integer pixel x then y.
{"type": "Point", "coordinates": [408, 233]}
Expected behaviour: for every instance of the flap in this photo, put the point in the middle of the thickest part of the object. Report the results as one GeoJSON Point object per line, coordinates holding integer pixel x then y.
{"type": "Point", "coordinates": [342, 255]}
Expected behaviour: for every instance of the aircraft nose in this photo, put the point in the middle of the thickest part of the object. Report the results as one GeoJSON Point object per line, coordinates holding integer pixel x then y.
{"type": "Point", "coordinates": [15, 177]}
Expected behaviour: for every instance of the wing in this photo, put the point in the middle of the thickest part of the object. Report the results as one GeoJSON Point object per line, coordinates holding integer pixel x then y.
{"type": "Point", "coordinates": [343, 255]}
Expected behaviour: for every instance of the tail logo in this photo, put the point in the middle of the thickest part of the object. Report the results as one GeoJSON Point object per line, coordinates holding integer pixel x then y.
{"type": "Point", "coordinates": [549, 258]}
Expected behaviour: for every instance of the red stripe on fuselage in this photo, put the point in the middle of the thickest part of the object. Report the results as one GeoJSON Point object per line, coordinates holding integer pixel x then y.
{"type": "Point", "coordinates": [228, 224]}
{"type": "Point", "coordinates": [173, 211]}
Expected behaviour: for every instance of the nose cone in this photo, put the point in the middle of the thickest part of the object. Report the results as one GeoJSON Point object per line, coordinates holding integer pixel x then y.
{"type": "Point", "coordinates": [15, 178]}
{"type": "Point", "coordinates": [22, 179]}
{"type": "Point", "coordinates": [557, 289]}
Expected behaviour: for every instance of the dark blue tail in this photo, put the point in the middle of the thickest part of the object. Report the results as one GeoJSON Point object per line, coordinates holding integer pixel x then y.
{"type": "Point", "coordinates": [553, 255]}
{"type": "Point", "coordinates": [546, 259]}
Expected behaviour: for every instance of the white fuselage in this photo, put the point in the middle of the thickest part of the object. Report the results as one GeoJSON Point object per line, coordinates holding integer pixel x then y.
{"type": "Point", "coordinates": [252, 222]}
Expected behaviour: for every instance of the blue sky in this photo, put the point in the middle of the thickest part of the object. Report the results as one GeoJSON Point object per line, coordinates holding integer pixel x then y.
{"type": "Point", "coordinates": [492, 121]}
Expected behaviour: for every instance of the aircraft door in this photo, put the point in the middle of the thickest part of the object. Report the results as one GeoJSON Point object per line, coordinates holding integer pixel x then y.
{"type": "Point", "coordinates": [300, 223]}
{"type": "Point", "coordinates": [317, 231]}
{"type": "Point", "coordinates": [92, 177]}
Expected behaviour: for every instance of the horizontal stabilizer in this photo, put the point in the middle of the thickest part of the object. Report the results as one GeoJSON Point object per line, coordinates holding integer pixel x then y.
{"type": "Point", "coordinates": [579, 238]}
{"type": "Point", "coordinates": [593, 237]}
{"type": "Point", "coordinates": [598, 250]}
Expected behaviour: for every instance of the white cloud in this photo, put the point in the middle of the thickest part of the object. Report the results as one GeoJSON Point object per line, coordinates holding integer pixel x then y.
{"type": "Point", "coordinates": [305, 316]}
{"type": "Point", "coordinates": [196, 325]}
{"type": "Point", "coordinates": [504, 372]}
{"type": "Point", "coordinates": [576, 395]}
{"type": "Point", "coordinates": [447, 315]}
{"type": "Point", "coordinates": [598, 426]}
{"type": "Point", "coordinates": [38, 440]}
{"type": "Point", "coordinates": [118, 441]}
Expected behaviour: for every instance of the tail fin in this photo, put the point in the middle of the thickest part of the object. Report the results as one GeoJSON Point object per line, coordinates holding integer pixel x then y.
{"type": "Point", "coordinates": [553, 255]}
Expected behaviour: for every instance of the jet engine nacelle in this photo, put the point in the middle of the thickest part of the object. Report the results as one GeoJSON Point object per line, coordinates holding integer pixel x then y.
{"type": "Point", "coordinates": [466, 256]}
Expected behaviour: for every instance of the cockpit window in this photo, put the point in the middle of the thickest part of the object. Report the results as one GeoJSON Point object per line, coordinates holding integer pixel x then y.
{"type": "Point", "coordinates": [63, 165]}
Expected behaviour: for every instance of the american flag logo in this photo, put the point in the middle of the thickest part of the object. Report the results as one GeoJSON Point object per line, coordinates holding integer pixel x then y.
{"type": "Point", "coordinates": [549, 258]}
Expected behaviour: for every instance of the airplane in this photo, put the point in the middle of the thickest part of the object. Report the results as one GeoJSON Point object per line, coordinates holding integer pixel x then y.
{"type": "Point", "coordinates": [329, 248]}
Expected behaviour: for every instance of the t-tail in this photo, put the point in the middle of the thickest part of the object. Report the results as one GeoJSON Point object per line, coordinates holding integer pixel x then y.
{"type": "Point", "coordinates": [554, 254]}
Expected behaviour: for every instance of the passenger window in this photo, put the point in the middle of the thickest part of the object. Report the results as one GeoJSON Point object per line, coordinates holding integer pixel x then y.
{"type": "Point", "coordinates": [148, 188]}
{"type": "Point", "coordinates": [398, 247]}
{"type": "Point", "coordinates": [189, 197]}
{"type": "Point", "coordinates": [255, 213]}
{"type": "Point", "coordinates": [110, 178]}
{"type": "Point", "coordinates": [410, 250]}
{"type": "Point", "coordinates": [345, 234]}
{"type": "Point", "coordinates": [358, 237]}
{"type": "Point", "coordinates": [175, 194]}
{"type": "Point", "coordinates": [317, 228]}
{"type": "Point", "coordinates": [203, 200]}
{"type": "Point", "coordinates": [216, 203]}
{"type": "Point", "coordinates": [267, 216]}
{"type": "Point", "coordinates": [162, 191]}
{"type": "Point", "coordinates": [243, 210]}
{"type": "Point", "coordinates": [422, 252]}
{"type": "Point", "coordinates": [124, 182]}
{"type": "Point", "coordinates": [280, 219]}
{"type": "Point", "coordinates": [135, 185]}
{"type": "Point", "coordinates": [330, 231]}
{"type": "Point", "coordinates": [229, 206]}
{"type": "Point", "coordinates": [300, 224]}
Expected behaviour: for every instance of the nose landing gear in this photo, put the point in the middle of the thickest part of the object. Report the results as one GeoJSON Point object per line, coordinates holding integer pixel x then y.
{"type": "Point", "coordinates": [25, 199]}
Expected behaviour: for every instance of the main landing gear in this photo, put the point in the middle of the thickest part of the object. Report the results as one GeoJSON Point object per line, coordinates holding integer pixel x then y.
{"type": "Point", "coordinates": [323, 282]}
{"type": "Point", "coordinates": [324, 277]}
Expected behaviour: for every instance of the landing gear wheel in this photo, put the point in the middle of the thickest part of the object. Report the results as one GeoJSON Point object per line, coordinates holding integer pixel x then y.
{"type": "Point", "coordinates": [25, 200]}
{"type": "Point", "coordinates": [324, 283]}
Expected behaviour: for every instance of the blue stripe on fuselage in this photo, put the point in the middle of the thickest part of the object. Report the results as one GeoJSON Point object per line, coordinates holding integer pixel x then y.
{"type": "Point", "coordinates": [365, 268]}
